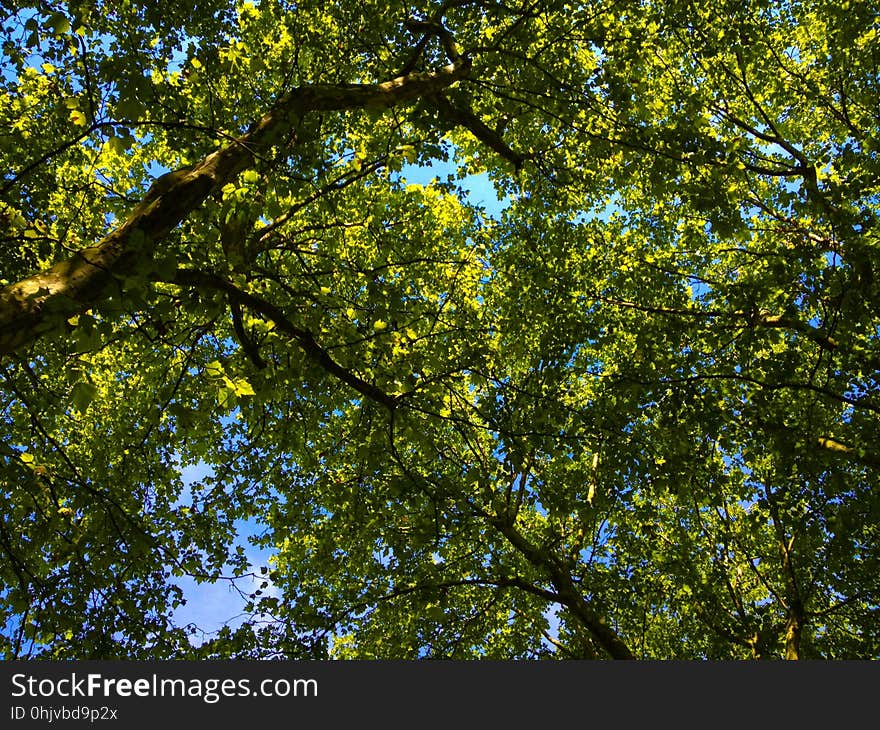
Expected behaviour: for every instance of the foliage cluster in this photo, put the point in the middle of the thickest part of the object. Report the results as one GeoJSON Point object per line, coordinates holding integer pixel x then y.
{"type": "Point", "coordinates": [631, 412]}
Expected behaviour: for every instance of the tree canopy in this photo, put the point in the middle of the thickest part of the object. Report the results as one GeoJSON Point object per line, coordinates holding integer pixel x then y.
{"type": "Point", "coordinates": [632, 411]}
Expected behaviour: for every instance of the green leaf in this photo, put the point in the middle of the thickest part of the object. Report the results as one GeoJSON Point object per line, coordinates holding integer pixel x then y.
{"type": "Point", "coordinates": [129, 109]}
{"type": "Point", "coordinates": [78, 118]}
{"type": "Point", "coordinates": [242, 387]}
{"type": "Point", "coordinates": [59, 23]}
{"type": "Point", "coordinates": [82, 395]}
{"type": "Point", "coordinates": [215, 369]}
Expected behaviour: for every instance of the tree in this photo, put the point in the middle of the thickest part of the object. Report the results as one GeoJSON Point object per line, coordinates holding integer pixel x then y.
{"type": "Point", "coordinates": [634, 414]}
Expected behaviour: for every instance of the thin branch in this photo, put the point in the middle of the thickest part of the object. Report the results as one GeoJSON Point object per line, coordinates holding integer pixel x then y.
{"type": "Point", "coordinates": [304, 338]}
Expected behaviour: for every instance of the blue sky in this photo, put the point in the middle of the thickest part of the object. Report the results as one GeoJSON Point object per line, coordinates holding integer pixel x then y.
{"type": "Point", "coordinates": [210, 606]}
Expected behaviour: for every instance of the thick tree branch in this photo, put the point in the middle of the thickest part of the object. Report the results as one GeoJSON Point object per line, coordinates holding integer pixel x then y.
{"type": "Point", "coordinates": [477, 127]}
{"type": "Point", "coordinates": [860, 455]}
{"type": "Point", "coordinates": [42, 302]}
{"type": "Point", "coordinates": [770, 321]}
{"type": "Point", "coordinates": [566, 591]}
{"type": "Point", "coordinates": [247, 344]}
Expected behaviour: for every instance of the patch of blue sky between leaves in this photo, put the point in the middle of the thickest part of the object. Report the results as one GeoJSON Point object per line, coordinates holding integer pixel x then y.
{"type": "Point", "coordinates": [210, 606]}
{"type": "Point", "coordinates": [478, 189]}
